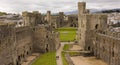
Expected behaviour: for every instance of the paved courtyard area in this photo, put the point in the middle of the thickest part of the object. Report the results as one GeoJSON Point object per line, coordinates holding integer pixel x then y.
{"type": "Point", "coordinates": [80, 60]}
{"type": "Point", "coordinates": [76, 47]}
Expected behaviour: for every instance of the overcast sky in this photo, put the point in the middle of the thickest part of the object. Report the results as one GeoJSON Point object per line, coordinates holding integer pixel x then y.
{"type": "Point", "coordinates": [54, 5]}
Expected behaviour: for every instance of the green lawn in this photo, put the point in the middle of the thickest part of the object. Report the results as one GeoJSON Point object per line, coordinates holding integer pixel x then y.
{"type": "Point", "coordinates": [64, 59]}
{"type": "Point", "coordinates": [66, 47]}
{"type": "Point", "coordinates": [74, 53]}
{"type": "Point", "coordinates": [46, 59]}
{"type": "Point", "coordinates": [67, 34]}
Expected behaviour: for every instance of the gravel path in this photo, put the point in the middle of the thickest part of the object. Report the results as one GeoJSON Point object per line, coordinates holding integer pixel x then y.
{"type": "Point", "coordinates": [58, 53]}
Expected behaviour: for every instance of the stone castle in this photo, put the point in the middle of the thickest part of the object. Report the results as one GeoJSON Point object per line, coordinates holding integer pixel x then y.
{"type": "Point", "coordinates": [97, 36]}
{"type": "Point", "coordinates": [35, 33]}
{"type": "Point", "coordinates": [30, 33]}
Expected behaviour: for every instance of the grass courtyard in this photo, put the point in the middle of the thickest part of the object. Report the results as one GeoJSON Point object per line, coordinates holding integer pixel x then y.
{"type": "Point", "coordinates": [67, 34]}
{"type": "Point", "coordinates": [66, 47]}
{"type": "Point", "coordinates": [46, 59]}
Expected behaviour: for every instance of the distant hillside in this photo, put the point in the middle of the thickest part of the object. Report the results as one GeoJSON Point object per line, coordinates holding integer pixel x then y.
{"type": "Point", "coordinates": [3, 13]}
{"type": "Point", "coordinates": [72, 12]}
{"type": "Point", "coordinates": [95, 11]}
{"type": "Point", "coordinates": [111, 11]}
{"type": "Point", "coordinates": [76, 11]}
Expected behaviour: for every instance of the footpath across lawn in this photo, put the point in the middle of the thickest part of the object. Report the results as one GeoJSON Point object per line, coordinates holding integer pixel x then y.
{"type": "Point", "coordinates": [46, 59]}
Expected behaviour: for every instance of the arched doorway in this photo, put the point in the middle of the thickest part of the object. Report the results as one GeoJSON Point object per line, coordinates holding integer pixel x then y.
{"type": "Point", "coordinates": [96, 26]}
{"type": "Point", "coordinates": [17, 63]}
{"type": "Point", "coordinates": [47, 48]}
{"type": "Point", "coordinates": [88, 48]}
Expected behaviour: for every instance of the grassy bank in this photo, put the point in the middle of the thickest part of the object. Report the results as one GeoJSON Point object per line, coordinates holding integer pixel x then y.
{"type": "Point", "coordinates": [66, 47]}
{"type": "Point", "coordinates": [64, 59]}
{"type": "Point", "coordinates": [46, 59]}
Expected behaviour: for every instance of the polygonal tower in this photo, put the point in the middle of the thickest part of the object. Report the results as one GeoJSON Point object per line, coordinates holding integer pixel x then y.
{"type": "Point", "coordinates": [31, 19]}
{"type": "Point", "coordinates": [88, 24]}
{"type": "Point", "coordinates": [49, 17]}
{"type": "Point", "coordinates": [81, 11]}
{"type": "Point", "coordinates": [81, 7]}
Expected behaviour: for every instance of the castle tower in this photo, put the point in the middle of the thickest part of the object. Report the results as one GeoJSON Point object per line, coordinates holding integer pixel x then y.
{"type": "Point", "coordinates": [61, 16]}
{"type": "Point", "coordinates": [31, 19]}
{"type": "Point", "coordinates": [81, 11]}
{"type": "Point", "coordinates": [61, 19]}
{"type": "Point", "coordinates": [36, 17]}
{"type": "Point", "coordinates": [88, 24]}
{"type": "Point", "coordinates": [81, 7]}
{"type": "Point", "coordinates": [26, 18]}
{"type": "Point", "coordinates": [49, 17]}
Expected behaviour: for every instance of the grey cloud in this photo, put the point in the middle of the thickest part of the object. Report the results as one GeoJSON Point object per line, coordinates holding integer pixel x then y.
{"type": "Point", "coordinates": [54, 5]}
{"type": "Point", "coordinates": [101, 1]}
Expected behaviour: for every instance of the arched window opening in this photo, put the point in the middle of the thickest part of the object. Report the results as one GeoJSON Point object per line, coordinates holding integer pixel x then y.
{"type": "Point", "coordinates": [89, 48]}
{"type": "Point", "coordinates": [96, 26]}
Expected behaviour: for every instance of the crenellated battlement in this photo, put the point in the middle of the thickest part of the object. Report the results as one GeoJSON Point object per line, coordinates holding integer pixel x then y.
{"type": "Point", "coordinates": [31, 14]}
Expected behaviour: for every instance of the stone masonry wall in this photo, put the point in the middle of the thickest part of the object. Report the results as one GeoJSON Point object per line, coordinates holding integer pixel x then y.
{"type": "Point", "coordinates": [107, 48]}
{"type": "Point", "coordinates": [17, 43]}
{"type": "Point", "coordinates": [40, 39]}
{"type": "Point", "coordinates": [7, 41]}
{"type": "Point", "coordinates": [23, 44]}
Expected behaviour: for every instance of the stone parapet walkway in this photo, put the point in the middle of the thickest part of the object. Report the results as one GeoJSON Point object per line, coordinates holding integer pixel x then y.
{"type": "Point", "coordinates": [30, 59]}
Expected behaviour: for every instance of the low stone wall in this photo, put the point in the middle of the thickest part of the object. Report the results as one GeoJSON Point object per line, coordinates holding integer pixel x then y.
{"type": "Point", "coordinates": [70, 62]}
